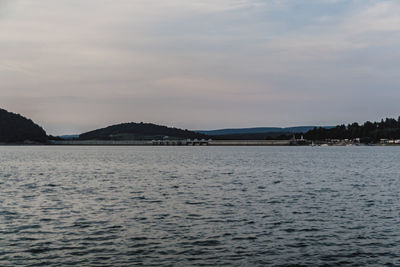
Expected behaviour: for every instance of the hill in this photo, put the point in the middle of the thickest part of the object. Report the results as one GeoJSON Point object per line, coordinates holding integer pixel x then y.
{"type": "Point", "coordinates": [256, 130]}
{"type": "Point", "coordinates": [16, 128]}
{"type": "Point", "coordinates": [69, 136]}
{"type": "Point", "coordinates": [254, 136]}
{"type": "Point", "coordinates": [139, 131]}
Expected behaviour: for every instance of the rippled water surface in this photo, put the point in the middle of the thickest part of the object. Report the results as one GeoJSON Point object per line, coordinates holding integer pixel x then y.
{"type": "Point", "coordinates": [124, 206]}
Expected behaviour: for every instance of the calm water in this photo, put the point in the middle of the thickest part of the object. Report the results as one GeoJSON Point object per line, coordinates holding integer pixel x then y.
{"type": "Point", "coordinates": [125, 206]}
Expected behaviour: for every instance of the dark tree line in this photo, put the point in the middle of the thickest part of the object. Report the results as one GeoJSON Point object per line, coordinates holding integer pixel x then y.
{"type": "Point", "coordinates": [16, 128]}
{"type": "Point", "coordinates": [367, 132]}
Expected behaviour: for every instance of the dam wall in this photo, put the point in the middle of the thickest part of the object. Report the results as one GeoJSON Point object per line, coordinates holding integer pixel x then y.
{"type": "Point", "coordinates": [100, 143]}
{"type": "Point", "coordinates": [172, 143]}
{"type": "Point", "coordinates": [250, 143]}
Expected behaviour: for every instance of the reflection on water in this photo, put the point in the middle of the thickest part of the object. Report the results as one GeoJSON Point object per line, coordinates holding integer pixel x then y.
{"type": "Point", "coordinates": [123, 206]}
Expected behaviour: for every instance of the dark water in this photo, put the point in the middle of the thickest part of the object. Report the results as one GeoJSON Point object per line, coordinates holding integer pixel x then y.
{"type": "Point", "coordinates": [249, 206]}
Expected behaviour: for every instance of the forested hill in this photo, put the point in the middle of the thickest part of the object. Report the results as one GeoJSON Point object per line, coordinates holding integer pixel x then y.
{"type": "Point", "coordinates": [16, 128]}
{"type": "Point", "coordinates": [139, 131]}
{"type": "Point", "coordinates": [367, 132]}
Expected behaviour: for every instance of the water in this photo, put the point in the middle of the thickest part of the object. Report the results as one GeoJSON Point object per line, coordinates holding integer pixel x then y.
{"type": "Point", "coordinates": [248, 206]}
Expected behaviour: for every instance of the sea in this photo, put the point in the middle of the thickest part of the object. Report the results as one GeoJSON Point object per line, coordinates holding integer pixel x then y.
{"type": "Point", "coordinates": [199, 206]}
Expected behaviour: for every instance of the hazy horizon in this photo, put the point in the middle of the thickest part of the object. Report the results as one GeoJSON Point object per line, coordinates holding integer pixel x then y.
{"type": "Point", "coordinates": [216, 129]}
{"type": "Point", "coordinates": [74, 66]}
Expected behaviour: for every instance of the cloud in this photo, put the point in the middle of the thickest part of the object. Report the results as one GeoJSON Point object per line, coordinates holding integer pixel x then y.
{"type": "Point", "coordinates": [381, 17]}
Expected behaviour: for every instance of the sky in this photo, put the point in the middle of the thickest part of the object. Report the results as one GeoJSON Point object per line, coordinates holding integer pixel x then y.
{"type": "Point", "coordinates": [77, 65]}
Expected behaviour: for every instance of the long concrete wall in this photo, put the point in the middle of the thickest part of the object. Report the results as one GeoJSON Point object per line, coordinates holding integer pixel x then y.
{"type": "Point", "coordinates": [249, 143]}
{"type": "Point", "coordinates": [100, 143]}
{"type": "Point", "coordinates": [174, 143]}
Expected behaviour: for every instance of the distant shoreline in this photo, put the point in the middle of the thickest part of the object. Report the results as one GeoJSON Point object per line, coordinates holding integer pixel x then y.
{"type": "Point", "coordinates": [175, 143]}
{"type": "Point", "coordinates": [188, 143]}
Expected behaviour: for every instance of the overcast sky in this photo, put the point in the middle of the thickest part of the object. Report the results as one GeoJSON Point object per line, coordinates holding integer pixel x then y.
{"type": "Point", "coordinates": [76, 65]}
